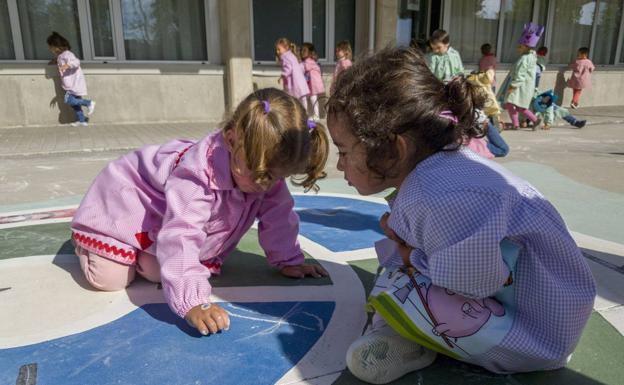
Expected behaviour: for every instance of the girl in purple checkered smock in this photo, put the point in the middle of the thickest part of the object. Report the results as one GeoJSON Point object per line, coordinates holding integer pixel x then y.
{"type": "Point", "coordinates": [478, 265]}
{"type": "Point", "coordinates": [174, 212]}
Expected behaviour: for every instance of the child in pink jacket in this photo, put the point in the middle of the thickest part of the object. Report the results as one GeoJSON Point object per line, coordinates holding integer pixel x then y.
{"type": "Point", "coordinates": [581, 68]}
{"type": "Point", "coordinates": [343, 61]}
{"type": "Point", "coordinates": [313, 76]}
{"type": "Point", "coordinates": [487, 62]}
{"type": "Point", "coordinates": [72, 78]}
{"type": "Point", "coordinates": [174, 212]}
{"type": "Point", "coordinates": [292, 76]}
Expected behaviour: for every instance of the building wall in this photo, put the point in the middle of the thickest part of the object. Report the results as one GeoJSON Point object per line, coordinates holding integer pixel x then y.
{"type": "Point", "coordinates": [32, 95]}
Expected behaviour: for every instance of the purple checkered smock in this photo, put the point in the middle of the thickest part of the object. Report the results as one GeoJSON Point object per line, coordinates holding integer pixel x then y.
{"type": "Point", "coordinates": [454, 209]}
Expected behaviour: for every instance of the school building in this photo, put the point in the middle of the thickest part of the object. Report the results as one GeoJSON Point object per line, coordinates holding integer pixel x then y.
{"type": "Point", "coordinates": [192, 60]}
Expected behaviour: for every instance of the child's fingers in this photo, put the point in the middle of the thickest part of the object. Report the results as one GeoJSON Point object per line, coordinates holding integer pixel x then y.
{"type": "Point", "coordinates": [321, 271]}
{"type": "Point", "coordinates": [201, 326]}
{"type": "Point", "coordinates": [210, 323]}
{"type": "Point", "coordinates": [220, 319]}
{"type": "Point", "coordinates": [311, 271]}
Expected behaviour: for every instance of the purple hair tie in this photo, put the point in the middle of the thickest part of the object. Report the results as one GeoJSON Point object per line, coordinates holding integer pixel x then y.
{"type": "Point", "coordinates": [266, 106]}
{"type": "Point", "coordinates": [446, 114]}
{"type": "Point", "coordinates": [311, 124]}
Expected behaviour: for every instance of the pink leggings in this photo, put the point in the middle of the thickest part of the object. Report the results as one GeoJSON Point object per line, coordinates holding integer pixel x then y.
{"type": "Point", "coordinates": [513, 113]}
{"type": "Point", "coordinates": [107, 275]}
{"type": "Point", "coordinates": [576, 95]}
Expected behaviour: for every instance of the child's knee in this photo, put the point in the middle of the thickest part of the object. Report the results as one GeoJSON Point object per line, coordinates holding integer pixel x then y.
{"type": "Point", "coordinates": [105, 274]}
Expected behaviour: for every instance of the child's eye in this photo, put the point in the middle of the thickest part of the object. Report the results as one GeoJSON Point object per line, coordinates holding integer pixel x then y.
{"type": "Point", "coordinates": [340, 153]}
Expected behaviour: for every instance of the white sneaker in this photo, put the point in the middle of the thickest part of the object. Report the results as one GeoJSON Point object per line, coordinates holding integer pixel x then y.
{"type": "Point", "coordinates": [77, 124]}
{"type": "Point", "coordinates": [91, 108]}
{"type": "Point", "coordinates": [383, 355]}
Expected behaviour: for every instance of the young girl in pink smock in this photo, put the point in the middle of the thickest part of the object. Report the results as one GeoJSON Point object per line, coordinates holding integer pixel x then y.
{"type": "Point", "coordinates": [293, 77]}
{"type": "Point", "coordinates": [72, 78]}
{"type": "Point", "coordinates": [582, 69]}
{"type": "Point", "coordinates": [313, 75]}
{"type": "Point", "coordinates": [174, 212]}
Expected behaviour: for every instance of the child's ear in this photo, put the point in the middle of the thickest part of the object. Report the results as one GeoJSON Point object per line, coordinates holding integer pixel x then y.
{"type": "Point", "coordinates": [230, 138]}
{"type": "Point", "coordinates": [403, 149]}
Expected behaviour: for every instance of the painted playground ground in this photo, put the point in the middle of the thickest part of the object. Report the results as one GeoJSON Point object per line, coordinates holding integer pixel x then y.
{"type": "Point", "coordinates": [54, 329]}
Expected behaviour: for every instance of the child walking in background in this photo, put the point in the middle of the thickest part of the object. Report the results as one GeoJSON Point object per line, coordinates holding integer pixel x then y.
{"type": "Point", "coordinates": [541, 64]}
{"type": "Point", "coordinates": [72, 78]}
{"type": "Point", "coordinates": [518, 89]}
{"type": "Point", "coordinates": [489, 117]}
{"type": "Point", "coordinates": [443, 60]}
{"type": "Point", "coordinates": [292, 77]}
{"type": "Point", "coordinates": [544, 105]}
{"type": "Point", "coordinates": [313, 76]}
{"type": "Point", "coordinates": [581, 68]}
{"type": "Point", "coordinates": [174, 212]}
{"type": "Point", "coordinates": [479, 266]}
{"type": "Point", "coordinates": [488, 62]}
{"type": "Point", "coordinates": [343, 61]}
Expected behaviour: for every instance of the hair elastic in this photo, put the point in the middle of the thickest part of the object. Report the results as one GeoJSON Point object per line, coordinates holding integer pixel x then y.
{"type": "Point", "coordinates": [266, 106]}
{"type": "Point", "coordinates": [311, 124]}
{"type": "Point", "coordinates": [447, 114]}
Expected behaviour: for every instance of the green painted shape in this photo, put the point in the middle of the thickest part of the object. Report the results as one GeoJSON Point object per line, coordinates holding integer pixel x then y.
{"type": "Point", "coordinates": [597, 359]}
{"type": "Point", "coordinates": [585, 209]}
{"type": "Point", "coordinates": [366, 270]}
{"type": "Point", "coordinates": [52, 238]}
{"type": "Point", "coordinates": [245, 266]}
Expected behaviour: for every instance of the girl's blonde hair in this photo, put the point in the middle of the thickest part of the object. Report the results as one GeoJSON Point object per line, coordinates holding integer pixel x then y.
{"type": "Point", "coordinates": [273, 131]}
{"type": "Point", "coordinates": [345, 47]}
{"type": "Point", "coordinates": [290, 45]}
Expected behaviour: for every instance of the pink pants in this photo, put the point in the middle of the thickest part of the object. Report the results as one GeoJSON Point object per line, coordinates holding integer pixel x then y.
{"type": "Point", "coordinates": [107, 275]}
{"type": "Point", "coordinates": [576, 95]}
{"type": "Point", "coordinates": [513, 110]}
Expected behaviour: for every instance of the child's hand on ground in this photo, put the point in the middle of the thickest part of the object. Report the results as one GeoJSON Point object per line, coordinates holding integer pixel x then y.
{"type": "Point", "coordinates": [208, 318]}
{"type": "Point", "coordinates": [303, 270]}
{"type": "Point", "coordinates": [404, 249]}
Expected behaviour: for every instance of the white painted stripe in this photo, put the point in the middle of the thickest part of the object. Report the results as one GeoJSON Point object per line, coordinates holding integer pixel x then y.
{"type": "Point", "coordinates": [37, 210]}
{"type": "Point", "coordinates": [34, 223]}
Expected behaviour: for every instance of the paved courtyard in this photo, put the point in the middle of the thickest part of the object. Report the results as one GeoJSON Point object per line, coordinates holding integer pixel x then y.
{"type": "Point", "coordinates": [44, 171]}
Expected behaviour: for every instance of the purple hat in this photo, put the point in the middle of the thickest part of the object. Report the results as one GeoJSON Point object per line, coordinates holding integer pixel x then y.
{"type": "Point", "coordinates": [531, 34]}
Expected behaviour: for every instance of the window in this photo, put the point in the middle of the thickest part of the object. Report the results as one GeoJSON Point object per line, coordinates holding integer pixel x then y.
{"type": "Point", "coordinates": [607, 28]}
{"type": "Point", "coordinates": [318, 27]}
{"type": "Point", "coordinates": [38, 18]}
{"type": "Point", "coordinates": [102, 28]}
{"type": "Point", "coordinates": [344, 21]}
{"type": "Point", "coordinates": [6, 38]}
{"type": "Point", "coordinates": [273, 19]}
{"type": "Point", "coordinates": [164, 29]}
{"type": "Point", "coordinates": [571, 30]}
{"type": "Point", "coordinates": [302, 21]}
{"type": "Point", "coordinates": [473, 23]}
{"type": "Point", "coordinates": [516, 13]}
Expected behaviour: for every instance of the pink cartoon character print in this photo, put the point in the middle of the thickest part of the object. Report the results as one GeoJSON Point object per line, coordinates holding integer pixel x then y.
{"type": "Point", "coordinates": [452, 315]}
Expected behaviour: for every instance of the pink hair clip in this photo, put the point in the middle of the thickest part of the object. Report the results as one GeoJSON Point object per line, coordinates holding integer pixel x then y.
{"type": "Point", "coordinates": [447, 114]}
{"type": "Point", "coordinates": [311, 124]}
{"type": "Point", "coordinates": [266, 106]}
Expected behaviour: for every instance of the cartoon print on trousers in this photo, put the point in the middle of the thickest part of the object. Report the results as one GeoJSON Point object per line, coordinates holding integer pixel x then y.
{"type": "Point", "coordinates": [452, 315]}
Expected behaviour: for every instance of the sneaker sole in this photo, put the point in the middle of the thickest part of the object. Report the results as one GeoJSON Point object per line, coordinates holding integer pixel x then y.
{"type": "Point", "coordinates": [379, 358]}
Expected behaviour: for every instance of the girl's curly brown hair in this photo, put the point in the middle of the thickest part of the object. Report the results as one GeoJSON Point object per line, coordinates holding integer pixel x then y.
{"type": "Point", "coordinates": [394, 93]}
